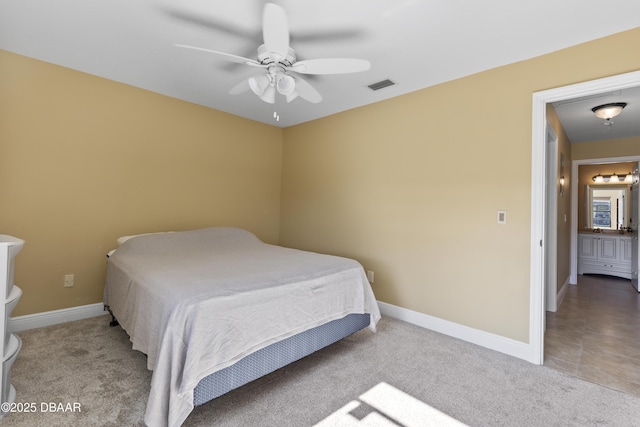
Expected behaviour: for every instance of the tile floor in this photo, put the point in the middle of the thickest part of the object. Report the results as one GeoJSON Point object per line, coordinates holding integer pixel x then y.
{"type": "Point", "coordinates": [595, 334]}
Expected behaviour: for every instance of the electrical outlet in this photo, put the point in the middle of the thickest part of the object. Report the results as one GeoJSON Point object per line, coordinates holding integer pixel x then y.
{"type": "Point", "coordinates": [370, 276]}
{"type": "Point", "coordinates": [68, 280]}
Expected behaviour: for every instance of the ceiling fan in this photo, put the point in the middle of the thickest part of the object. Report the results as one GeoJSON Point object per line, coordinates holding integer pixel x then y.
{"type": "Point", "coordinates": [279, 65]}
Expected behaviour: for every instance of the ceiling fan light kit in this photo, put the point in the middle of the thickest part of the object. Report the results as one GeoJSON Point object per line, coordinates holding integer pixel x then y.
{"type": "Point", "coordinates": [279, 59]}
{"type": "Point", "coordinates": [259, 83]}
{"type": "Point", "coordinates": [286, 85]}
{"type": "Point", "coordinates": [269, 95]}
{"type": "Point", "coordinates": [266, 85]}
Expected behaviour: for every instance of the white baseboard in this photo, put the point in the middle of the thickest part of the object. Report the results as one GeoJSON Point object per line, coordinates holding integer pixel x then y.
{"type": "Point", "coordinates": [49, 318]}
{"type": "Point", "coordinates": [485, 339]}
{"type": "Point", "coordinates": [563, 291]}
{"type": "Point", "coordinates": [488, 340]}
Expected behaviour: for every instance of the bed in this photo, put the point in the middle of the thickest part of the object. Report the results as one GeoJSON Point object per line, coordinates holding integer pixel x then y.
{"type": "Point", "coordinates": [216, 308]}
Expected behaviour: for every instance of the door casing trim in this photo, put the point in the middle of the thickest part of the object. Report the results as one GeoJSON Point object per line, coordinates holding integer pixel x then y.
{"type": "Point", "coordinates": [538, 206]}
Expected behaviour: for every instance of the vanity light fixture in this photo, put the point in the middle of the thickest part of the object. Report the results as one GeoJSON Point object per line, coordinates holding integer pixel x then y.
{"type": "Point", "coordinates": [613, 178]}
{"type": "Point", "coordinates": [562, 185]}
{"type": "Point", "coordinates": [608, 111]}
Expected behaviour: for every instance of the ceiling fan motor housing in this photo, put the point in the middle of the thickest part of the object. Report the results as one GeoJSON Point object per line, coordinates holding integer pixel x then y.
{"type": "Point", "coordinates": [265, 57]}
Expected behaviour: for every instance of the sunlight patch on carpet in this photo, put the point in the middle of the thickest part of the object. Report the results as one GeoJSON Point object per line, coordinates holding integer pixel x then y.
{"type": "Point", "coordinates": [386, 406]}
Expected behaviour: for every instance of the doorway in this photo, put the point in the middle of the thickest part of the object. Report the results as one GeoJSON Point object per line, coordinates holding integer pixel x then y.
{"type": "Point", "coordinates": [539, 246]}
{"type": "Point", "coordinates": [575, 165]}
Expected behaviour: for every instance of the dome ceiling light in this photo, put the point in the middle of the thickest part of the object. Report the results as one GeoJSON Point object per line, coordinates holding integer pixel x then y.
{"type": "Point", "coordinates": [608, 111]}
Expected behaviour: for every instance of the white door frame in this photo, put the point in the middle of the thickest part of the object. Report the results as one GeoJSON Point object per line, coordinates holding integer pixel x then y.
{"type": "Point", "coordinates": [538, 205]}
{"type": "Point", "coordinates": [551, 225]}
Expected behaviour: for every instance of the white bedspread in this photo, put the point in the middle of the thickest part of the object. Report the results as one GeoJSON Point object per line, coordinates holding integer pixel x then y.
{"type": "Point", "coordinates": [198, 301]}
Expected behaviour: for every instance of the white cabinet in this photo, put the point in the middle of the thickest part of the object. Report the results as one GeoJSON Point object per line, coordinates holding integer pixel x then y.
{"type": "Point", "coordinates": [9, 295]}
{"type": "Point", "coordinates": [605, 254]}
{"type": "Point", "coordinates": [626, 248]}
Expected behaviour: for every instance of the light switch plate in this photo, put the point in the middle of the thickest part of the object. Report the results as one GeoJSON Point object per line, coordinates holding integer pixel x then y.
{"type": "Point", "coordinates": [502, 217]}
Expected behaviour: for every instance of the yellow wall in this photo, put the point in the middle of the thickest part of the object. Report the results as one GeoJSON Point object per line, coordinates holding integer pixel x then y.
{"type": "Point", "coordinates": [84, 160]}
{"type": "Point", "coordinates": [608, 148]}
{"type": "Point", "coordinates": [365, 182]}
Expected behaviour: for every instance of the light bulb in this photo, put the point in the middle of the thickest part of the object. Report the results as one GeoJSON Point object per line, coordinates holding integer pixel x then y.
{"type": "Point", "coordinates": [269, 95]}
{"type": "Point", "coordinates": [286, 85]}
{"type": "Point", "coordinates": [609, 111]}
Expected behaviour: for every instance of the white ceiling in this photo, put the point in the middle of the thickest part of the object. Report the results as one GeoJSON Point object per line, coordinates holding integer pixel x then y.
{"type": "Point", "coordinates": [415, 43]}
{"type": "Point", "coordinates": [581, 124]}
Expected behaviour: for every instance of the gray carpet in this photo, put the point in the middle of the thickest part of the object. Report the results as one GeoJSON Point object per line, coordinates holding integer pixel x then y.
{"type": "Point", "coordinates": [89, 363]}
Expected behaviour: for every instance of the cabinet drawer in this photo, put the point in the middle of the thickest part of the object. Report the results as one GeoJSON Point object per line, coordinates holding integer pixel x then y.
{"type": "Point", "coordinates": [586, 266]}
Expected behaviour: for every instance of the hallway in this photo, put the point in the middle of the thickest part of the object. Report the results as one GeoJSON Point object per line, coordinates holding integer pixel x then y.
{"type": "Point", "coordinates": [595, 334]}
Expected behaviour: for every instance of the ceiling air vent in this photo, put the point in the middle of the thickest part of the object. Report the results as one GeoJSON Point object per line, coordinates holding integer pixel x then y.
{"type": "Point", "coordinates": [381, 84]}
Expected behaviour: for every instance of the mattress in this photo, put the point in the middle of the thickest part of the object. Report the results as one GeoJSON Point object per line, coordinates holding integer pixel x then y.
{"type": "Point", "coordinates": [201, 301]}
{"type": "Point", "coordinates": [276, 356]}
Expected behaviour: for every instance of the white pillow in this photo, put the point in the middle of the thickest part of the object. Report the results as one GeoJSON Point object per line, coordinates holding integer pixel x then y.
{"type": "Point", "coordinates": [123, 239]}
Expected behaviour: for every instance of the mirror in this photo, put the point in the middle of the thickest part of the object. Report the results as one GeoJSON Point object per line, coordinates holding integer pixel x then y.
{"type": "Point", "coordinates": [607, 206]}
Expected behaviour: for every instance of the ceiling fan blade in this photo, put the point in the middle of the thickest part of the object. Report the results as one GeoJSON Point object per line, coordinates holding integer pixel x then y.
{"type": "Point", "coordinates": [212, 23]}
{"type": "Point", "coordinates": [331, 66]}
{"type": "Point", "coordinates": [306, 91]}
{"type": "Point", "coordinates": [224, 56]}
{"type": "Point", "coordinates": [275, 29]}
{"type": "Point", "coordinates": [239, 88]}
{"type": "Point", "coordinates": [325, 36]}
